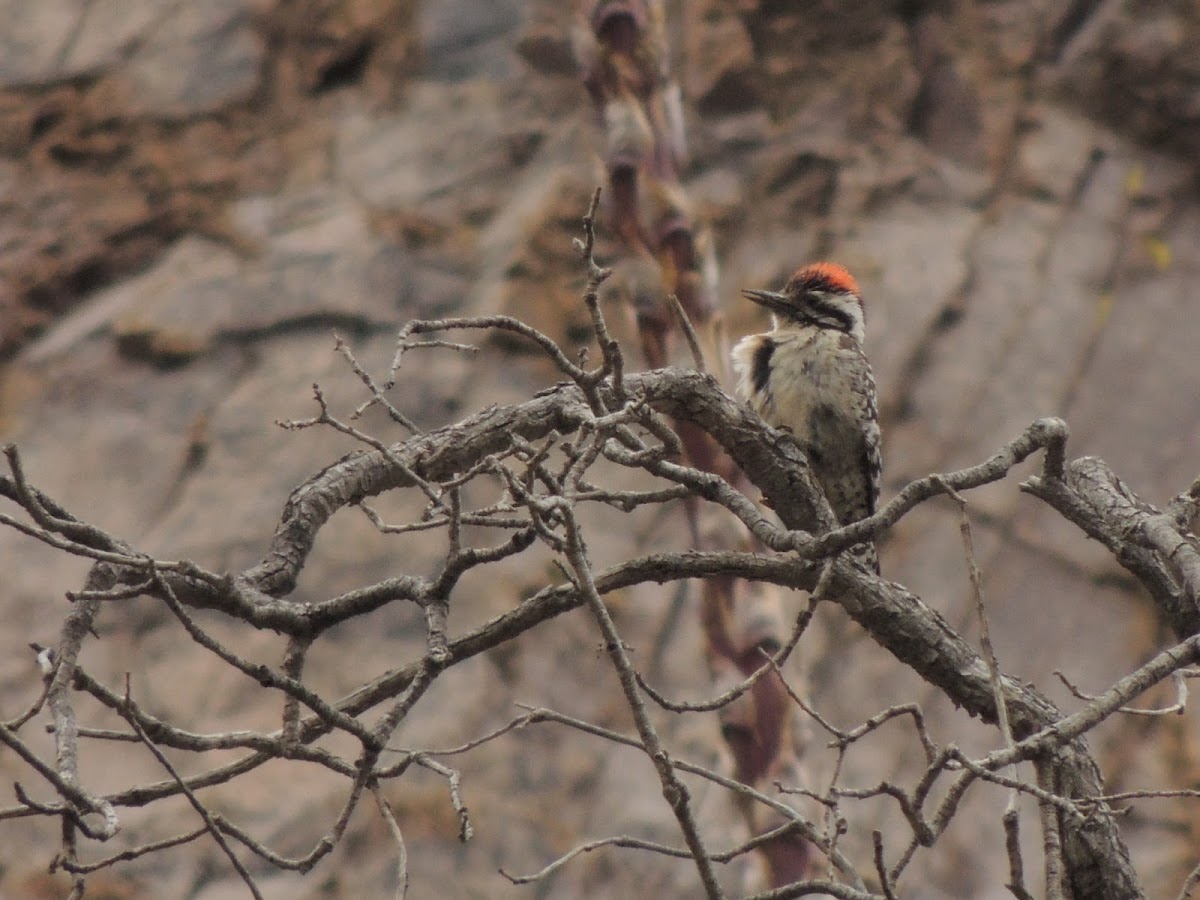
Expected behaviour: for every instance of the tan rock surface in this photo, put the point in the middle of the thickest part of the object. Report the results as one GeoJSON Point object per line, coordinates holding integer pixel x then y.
{"type": "Point", "coordinates": [193, 200]}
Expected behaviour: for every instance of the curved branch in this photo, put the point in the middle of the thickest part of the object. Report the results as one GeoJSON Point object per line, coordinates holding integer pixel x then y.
{"type": "Point", "coordinates": [778, 466]}
{"type": "Point", "coordinates": [1143, 540]}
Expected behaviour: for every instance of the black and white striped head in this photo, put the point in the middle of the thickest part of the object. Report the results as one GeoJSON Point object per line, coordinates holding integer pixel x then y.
{"type": "Point", "coordinates": [819, 295]}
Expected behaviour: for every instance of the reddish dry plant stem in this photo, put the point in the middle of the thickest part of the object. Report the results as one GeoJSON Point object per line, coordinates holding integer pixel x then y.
{"type": "Point", "coordinates": [628, 80]}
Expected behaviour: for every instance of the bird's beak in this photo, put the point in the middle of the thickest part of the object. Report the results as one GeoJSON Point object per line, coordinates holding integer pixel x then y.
{"type": "Point", "coordinates": [772, 300]}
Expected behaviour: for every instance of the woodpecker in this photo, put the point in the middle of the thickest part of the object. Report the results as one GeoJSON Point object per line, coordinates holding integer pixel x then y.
{"type": "Point", "coordinates": [809, 374]}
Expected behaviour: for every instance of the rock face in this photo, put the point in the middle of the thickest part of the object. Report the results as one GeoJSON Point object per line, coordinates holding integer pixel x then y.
{"type": "Point", "coordinates": [196, 195]}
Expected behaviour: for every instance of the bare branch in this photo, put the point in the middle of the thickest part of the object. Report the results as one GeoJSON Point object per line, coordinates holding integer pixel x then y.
{"type": "Point", "coordinates": [1181, 693]}
{"type": "Point", "coordinates": [1146, 543]}
{"type": "Point", "coordinates": [385, 810]}
{"type": "Point", "coordinates": [377, 393]}
{"type": "Point", "coordinates": [885, 881]}
{"type": "Point", "coordinates": [135, 852]}
{"type": "Point", "coordinates": [804, 827]}
{"type": "Point", "coordinates": [685, 324]}
{"type": "Point", "coordinates": [1044, 434]}
{"type": "Point", "coordinates": [209, 823]}
{"type": "Point", "coordinates": [772, 664]}
{"type": "Point", "coordinates": [1016, 865]}
{"type": "Point", "coordinates": [500, 323]}
{"type": "Point", "coordinates": [674, 790]}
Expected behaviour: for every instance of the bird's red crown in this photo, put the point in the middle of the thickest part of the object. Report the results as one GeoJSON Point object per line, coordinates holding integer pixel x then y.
{"type": "Point", "coordinates": [826, 277]}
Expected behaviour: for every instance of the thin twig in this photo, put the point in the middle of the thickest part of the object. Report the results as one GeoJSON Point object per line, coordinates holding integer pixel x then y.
{"type": "Point", "coordinates": [1043, 434]}
{"type": "Point", "coordinates": [362, 774]}
{"type": "Point", "coordinates": [501, 323]}
{"type": "Point", "coordinates": [1190, 884]}
{"type": "Point", "coordinates": [385, 810]}
{"type": "Point", "coordinates": [674, 791]}
{"type": "Point", "coordinates": [209, 823]}
{"type": "Point", "coordinates": [465, 829]}
{"type": "Point", "coordinates": [772, 663]}
{"type": "Point", "coordinates": [293, 668]}
{"type": "Point", "coordinates": [264, 675]}
{"type": "Point", "coordinates": [985, 641]}
{"type": "Point", "coordinates": [803, 826]}
{"type": "Point", "coordinates": [324, 417]}
{"type": "Point", "coordinates": [635, 843]}
{"type": "Point", "coordinates": [885, 882]}
{"type": "Point", "coordinates": [689, 332]}
{"type": "Point", "coordinates": [1176, 708]}
{"type": "Point", "coordinates": [1012, 846]}
{"type": "Point", "coordinates": [377, 393]}
{"type": "Point", "coordinates": [135, 852]}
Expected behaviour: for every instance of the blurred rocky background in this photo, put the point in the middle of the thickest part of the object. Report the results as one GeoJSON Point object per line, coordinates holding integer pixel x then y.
{"type": "Point", "coordinates": [195, 195]}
